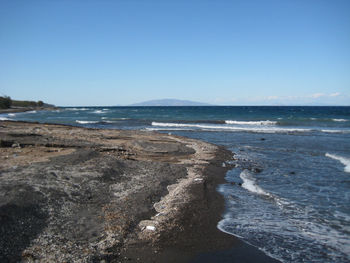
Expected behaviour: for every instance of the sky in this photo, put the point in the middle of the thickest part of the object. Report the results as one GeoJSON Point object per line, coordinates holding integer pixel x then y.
{"type": "Point", "coordinates": [271, 52]}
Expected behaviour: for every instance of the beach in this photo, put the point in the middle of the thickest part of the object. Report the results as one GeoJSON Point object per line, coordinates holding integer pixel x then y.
{"type": "Point", "coordinates": [71, 194]}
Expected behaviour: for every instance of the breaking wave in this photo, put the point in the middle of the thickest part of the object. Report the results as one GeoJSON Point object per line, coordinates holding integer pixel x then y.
{"type": "Point", "coordinates": [86, 122]}
{"type": "Point", "coordinates": [267, 122]}
{"type": "Point", "coordinates": [343, 160]}
{"type": "Point", "coordinates": [230, 128]}
{"type": "Point", "coordinates": [250, 184]}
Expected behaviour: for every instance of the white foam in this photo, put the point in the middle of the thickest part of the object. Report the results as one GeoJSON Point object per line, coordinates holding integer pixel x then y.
{"type": "Point", "coordinates": [98, 112]}
{"type": "Point", "coordinates": [85, 122]}
{"type": "Point", "coordinates": [105, 118]}
{"type": "Point", "coordinates": [4, 119]}
{"type": "Point", "coordinates": [250, 184]}
{"type": "Point", "coordinates": [341, 120]}
{"type": "Point", "coordinates": [32, 111]}
{"type": "Point", "coordinates": [107, 121]}
{"type": "Point", "coordinates": [77, 109]}
{"type": "Point", "coordinates": [12, 114]}
{"type": "Point", "coordinates": [336, 131]}
{"type": "Point", "coordinates": [231, 128]}
{"type": "Point", "coordinates": [343, 160]}
{"type": "Point", "coordinates": [251, 122]}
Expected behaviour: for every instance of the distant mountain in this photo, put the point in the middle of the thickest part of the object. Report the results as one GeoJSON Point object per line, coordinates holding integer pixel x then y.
{"type": "Point", "coordinates": [170, 102]}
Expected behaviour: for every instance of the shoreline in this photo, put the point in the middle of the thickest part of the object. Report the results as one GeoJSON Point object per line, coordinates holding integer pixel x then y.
{"type": "Point", "coordinates": [199, 240]}
{"type": "Point", "coordinates": [25, 109]}
{"type": "Point", "coordinates": [160, 201]}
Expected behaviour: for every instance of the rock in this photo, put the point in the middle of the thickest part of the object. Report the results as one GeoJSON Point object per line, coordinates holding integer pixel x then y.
{"type": "Point", "coordinates": [81, 202]}
{"type": "Point", "coordinates": [151, 228]}
{"type": "Point", "coordinates": [198, 179]}
{"type": "Point", "coordinates": [257, 170]}
{"type": "Point", "coordinates": [16, 145]}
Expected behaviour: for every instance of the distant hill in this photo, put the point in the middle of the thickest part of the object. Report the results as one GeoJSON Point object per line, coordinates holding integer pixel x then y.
{"type": "Point", "coordinates": [170, 102]}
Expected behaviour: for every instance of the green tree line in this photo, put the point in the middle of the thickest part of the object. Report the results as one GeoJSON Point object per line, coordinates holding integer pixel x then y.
{"type": "Point", "coordinates": [6, 103]}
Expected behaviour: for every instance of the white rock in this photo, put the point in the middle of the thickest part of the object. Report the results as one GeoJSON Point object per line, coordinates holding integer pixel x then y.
{"type": "Point", "coordinates": [151, 228]}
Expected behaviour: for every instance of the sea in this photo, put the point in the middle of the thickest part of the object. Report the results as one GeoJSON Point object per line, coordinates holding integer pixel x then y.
{"type": "Point", "coordinates": [289, 191]}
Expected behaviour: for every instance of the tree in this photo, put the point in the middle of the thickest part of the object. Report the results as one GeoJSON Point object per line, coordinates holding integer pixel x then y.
{"type": "Point", "coordinates": [40, 103]}
{"type": "Point", "coordinates": [5, 102]}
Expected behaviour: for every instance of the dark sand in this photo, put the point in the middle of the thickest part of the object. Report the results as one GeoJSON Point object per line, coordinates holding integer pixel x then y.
{"type": "Point", "coordinates": [197, 238]}
{"type": "Point", "coordinates": [70, 194]}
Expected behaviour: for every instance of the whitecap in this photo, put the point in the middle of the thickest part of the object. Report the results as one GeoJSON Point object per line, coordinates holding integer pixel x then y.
{"type": "Point", "coordinates": [267, 122]}
{"type": "Point", "coordinates": [345, 161]}
{"type": "Point", "coordinates": [76, 109]}
{"type": "Point", "coordinates": [231, 128]}
{"type": "Point", "coordinates": [11, 114]}
{"type": "Point", "coordinates": [336, 131]}
{"type": "Point", "coordinates": [98, 111]}
{"type": "Point", "coordinates": [86, 122]}
{"type": "Point", "coordinates": [339, 120]}
{"type": "Point", "coordinates": [250, 184]}
{"type": "Point", "coordinates": [107, 121]}
{"type": "Point", "coordinates": [4, 119]}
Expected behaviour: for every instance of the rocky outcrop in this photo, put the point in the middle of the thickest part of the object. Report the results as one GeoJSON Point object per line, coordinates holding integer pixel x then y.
{"type": "Point", "coordinates": [70, 194]}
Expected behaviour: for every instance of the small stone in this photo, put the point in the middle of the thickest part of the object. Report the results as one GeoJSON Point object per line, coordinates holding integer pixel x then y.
{"type": "Point", "coordinates": [257, 170]}
{"type": "Point", "coordinates": [151, 228]}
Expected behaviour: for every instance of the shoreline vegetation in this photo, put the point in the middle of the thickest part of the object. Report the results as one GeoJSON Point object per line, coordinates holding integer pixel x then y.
{"type": "Point", "coordinates": [71, 194]}
{"type": "Point", "coordinates": [8, 105]}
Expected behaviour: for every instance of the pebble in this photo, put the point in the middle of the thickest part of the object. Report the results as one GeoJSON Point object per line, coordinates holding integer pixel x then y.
{"type": "Point", "coordinates": [151, 228]}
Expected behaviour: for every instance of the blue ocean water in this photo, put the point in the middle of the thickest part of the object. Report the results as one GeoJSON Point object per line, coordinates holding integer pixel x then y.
{"type": "Point", "coordinates": [289, 194]}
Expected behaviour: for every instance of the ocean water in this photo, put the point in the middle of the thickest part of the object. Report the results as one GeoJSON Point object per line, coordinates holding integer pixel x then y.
{"type": "Point", "coordinates": [289, 193]}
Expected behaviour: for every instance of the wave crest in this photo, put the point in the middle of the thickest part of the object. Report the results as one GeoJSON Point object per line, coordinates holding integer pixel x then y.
{"type": "Point", "coordinates": [86, 122]}
{"type": "Point", "coordinates": [250, 184]}
{"type": "Point", "coordinates": [343, 160]}
{"type": "Point", "coordinates": [267, 122]}
{"type": "Point", "coordinates": [229, 128]}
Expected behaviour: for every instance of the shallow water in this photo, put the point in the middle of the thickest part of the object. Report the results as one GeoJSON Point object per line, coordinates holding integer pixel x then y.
{"type": "Point", "coordinates": [289, 193]}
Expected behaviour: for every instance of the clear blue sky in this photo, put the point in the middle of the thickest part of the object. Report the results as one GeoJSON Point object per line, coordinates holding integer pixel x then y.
{"type": "Point", "coordinates": [221, 52]}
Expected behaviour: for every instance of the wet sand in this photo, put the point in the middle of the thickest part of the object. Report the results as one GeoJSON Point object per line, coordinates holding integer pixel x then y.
{"type": "Point", "coordinates": [86, 195]}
